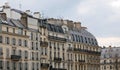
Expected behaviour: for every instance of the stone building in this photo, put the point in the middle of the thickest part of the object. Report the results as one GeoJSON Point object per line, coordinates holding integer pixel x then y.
{"type": "Point", "coordinates": [110, 58]}
{"type": "Point", "coordinates": [29, 42]}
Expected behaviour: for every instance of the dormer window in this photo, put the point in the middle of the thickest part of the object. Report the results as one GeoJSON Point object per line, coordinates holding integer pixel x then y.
{"type": "Point", "coordinates": [20, 31]}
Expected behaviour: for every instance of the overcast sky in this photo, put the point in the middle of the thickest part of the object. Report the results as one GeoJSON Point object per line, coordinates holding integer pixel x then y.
{"type": "Point", "coordinates": [101, 17]}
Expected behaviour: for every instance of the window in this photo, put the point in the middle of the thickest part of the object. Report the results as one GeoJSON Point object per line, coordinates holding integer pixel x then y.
{"type": "Point", "coordinates": [13, 52]}
{"type": "Point", "coordinates": [0, 39]}
{"type": "Point", "coordinates": [20, 31]}
{"type": "Point", "coordinates": [14, 41]}
{"type": "Point", "coordinates": [81, 38]}
{"type": "Point", "coordinates": [110, 67]}
{"type": "Point", "coordinates": [25, 43]}
{"type": "Point", "coordinates": [26, 54]}
{"type": "Point", "coordinates": [13, 30]}
{"type": "Point", "coordinates": [20, 42]}
{"type": "Point", "coordinates": [25, 33]}
{"type": "Point", "coordinates": [7, 53]}
{"type": "Point", "coordinates": [7, 40]}
{"type": "Point", "coordinates": [7, 29]}
{"type": "Point", "coordinates": [7, 64]}
{"type": "Point", "coordinates": [1, 52]}
{"type": "Point", "coordinates": [54, 54]}
{"type": "Point", "coordinates": [63, 56]}
{"type": "Point", "coordinates": [32, 46]}
{"type": "Point", "coordinates": [104, 67]}
{"type": "Point", "coordinates": [31, 36]}
{"type": "Point", "coordinates": [45, 51]}
{"type": "Point", "coordinates": [26, 65]}
{"type": "Point", "coordinates": [20, 53]}
{"type": "Point", "coordinates": [36, 55]}
{"type": "Point", "coordinates": [1, 65]}
{"type": "Point", "coordinates": [36, 46]}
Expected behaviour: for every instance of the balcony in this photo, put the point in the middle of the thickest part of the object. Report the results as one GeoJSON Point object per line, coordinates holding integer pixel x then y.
{"type": "Point", "coordinates": [15, 57]}
{"type": "Point", "coordinates": [81, 61]}
{"type": "Point", "coordinates": [58, 69]}
{"type": "Point", "coordinates": [44, 65]}
{"type": "Point", "coordinates": [43, 25]}
{"type": "Point", "coordinates": [43, 44]}
{"type": "Point", "coordinates": [87, 51]}
{"type": "Point", "coordinates": [15, 34]}
{"type": "Point", "coordinates": [94, 52]}
{"type": "Point", "coordinates": [70, 49]}
{"type": "Point", "coordinates": [57, 59]}
{"type": "Point", "coordinates": [80, 50]}
{"type": "Point", "coordinates": [54, 38]}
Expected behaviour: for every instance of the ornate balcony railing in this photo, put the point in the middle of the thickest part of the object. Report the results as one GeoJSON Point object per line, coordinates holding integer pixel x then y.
{"type": "Point", "coordinates": [87, 51]}
{"type": "Point", "coordinates": [57, 59]}
{"type": "Point", "coordinates": [44, 65]}
{"type": "Point", "coordinates": [56, 38]}
{"type": "Point", "coordinates": [81, 61]}
{"type": "Point", "coordinates": [58, 69]}
{"type": "Point", "coordinates": [15, 57]}
{"type": "Point", "coordinates": [44, 44]}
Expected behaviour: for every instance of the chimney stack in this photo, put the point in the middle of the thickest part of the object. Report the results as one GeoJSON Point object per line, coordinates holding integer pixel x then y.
{"type": "Point", "coordinates": [24, 19]}
{"type": "Point", "coordinates": [78, 25]}
{"type": "Point", "coordinates": [3, 15]}
{"type": "Point", "coordinates": [37, 15]}
{"type": "Point", "coordinates": [28, 12]}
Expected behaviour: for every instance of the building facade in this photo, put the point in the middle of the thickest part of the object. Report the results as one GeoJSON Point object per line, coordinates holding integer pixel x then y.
{"type": "Point", "coordinates": [28, 42]}
{"type": "Point", "coordinates": [110, 58]}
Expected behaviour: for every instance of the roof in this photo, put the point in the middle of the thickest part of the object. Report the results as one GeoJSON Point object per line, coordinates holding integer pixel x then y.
{"type": "Point", "coordinates": [83, 36]}
{"type": "Point", "coordinates": [54, 28]}
{"type": "Point", "coordinates": [12, 22]}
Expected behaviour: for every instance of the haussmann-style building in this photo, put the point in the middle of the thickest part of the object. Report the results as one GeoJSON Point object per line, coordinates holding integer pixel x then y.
{"type": "Point", "coordinates": [110, 58]}
{"type": "Point", "coordinates": [29, 42]}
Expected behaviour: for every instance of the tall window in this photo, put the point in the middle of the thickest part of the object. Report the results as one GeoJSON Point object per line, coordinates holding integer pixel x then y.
{"type": "Point", "coordinates": [20, 31]}
{"type": "Point", "coordinates": [0, 39]}
{"type": "Point", "coordinates": [26, 54]}
{"type": "Point", "coordinates": [13, 30]}
{"type": "Point", "coordinates": [7, 53]}
{"type": "Point", "coordinates": [8, 64]}
{"type": "Point", "coordinates": [1, 51]}
{"type": "Point", "coordinates": [63, 56]}
{"type": "Point", "coordinates": [36, 46]}
{"type": "Point", "coordinates": [45, 51]}
{"type": "Point", "coordinates": [7, 29]}
{"type": "Point", "coordinates": [31, 36]}
{"type": "Point", "coordinates": [14, 41]}
{"type": "Point", "coordinates": [7, 41]}
{"type": "Point", "coordinates": [32, 46]}
{"type": "Point", "coordinates": [26, 65]}
{"type": "Point", "coordinates": [20, 42]}
{"type": "Point", "coordinates": [25, 43]}
{"type": "Point", "coordinates": [1, 65]}
{"type": "Point", "coordinates": [36, 55]}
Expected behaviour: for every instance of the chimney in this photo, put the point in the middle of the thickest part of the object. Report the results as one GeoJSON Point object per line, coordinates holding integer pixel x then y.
{"type": "Point", "coordinates": [3, 15]}
{"type": "Point", "coordinates": [28, 12]}
{"type": "Point", "coordinates": [7, 10]}
{"type": "Point", "coordinates": [6, 5]}
{"type": "Point", "coordinates": [37, 15]}
{"type": "Point", "coordinates": [78, 25]}
{"type": "Point", "coordinates": [24, 19]}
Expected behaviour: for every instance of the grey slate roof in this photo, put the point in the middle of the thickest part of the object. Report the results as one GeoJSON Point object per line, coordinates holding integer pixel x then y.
{"type": "Point", "coordinates": [83, 36]}
{"type": "Point", "coordinates": [11, 22]}
{"type": "Point", "coordinates": [54, 28]}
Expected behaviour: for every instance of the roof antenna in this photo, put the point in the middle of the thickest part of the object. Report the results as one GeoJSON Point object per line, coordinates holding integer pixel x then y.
{"type": "Point", "coordinates": [20, 5]}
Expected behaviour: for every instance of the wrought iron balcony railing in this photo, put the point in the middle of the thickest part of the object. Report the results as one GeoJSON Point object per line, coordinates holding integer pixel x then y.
{"type": "Point", "coordinates": [15, 57]}
{"type": "Point", "coordinates": [44, 44]}
{"type": "Point", "coordinates": [44, 65]}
